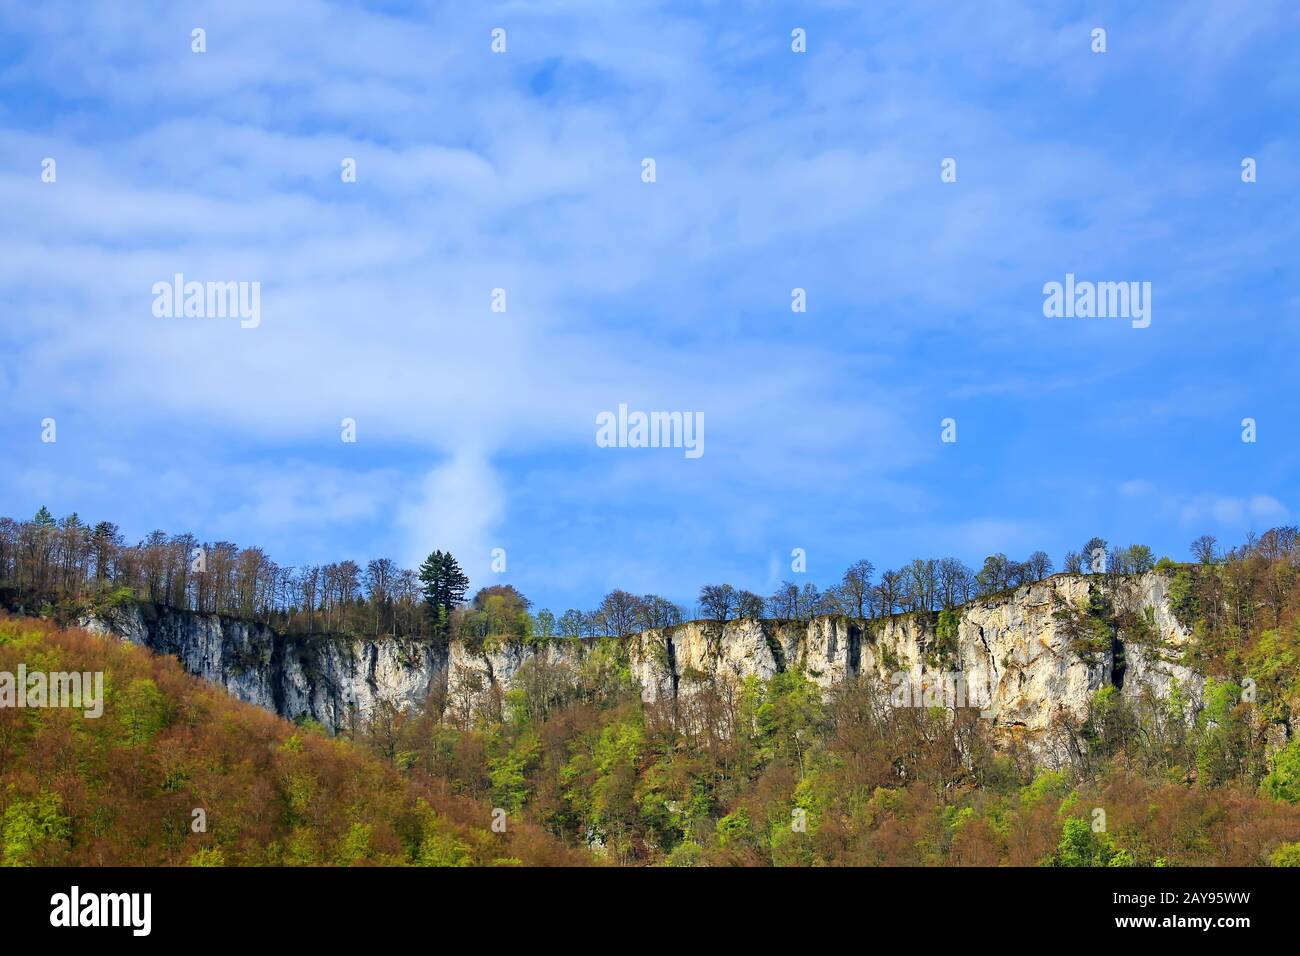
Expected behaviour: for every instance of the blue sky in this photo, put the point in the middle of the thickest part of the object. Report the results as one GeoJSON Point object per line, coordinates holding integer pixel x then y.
{"type": "Point", "coordinates": [775, 170]}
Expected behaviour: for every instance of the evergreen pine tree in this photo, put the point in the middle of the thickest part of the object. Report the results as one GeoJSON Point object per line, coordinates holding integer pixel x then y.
{"type": "Point", "coordinates": [444, 588]}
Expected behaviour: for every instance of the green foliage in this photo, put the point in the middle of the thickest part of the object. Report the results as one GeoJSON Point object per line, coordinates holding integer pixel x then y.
{"type": "Point", "coordinates": [1089, 627]}
{"type": "Point", "coordinates": [1048, 784]}
{"type": "Point", "coordinates": [601, 777]}
{"type": "Point", "coordinates": [1288, 854]}
{"type": "Point", "coordinates": [545, 627]}
{"type": "Point", "coordinates": [509, 773]}
{"type": "Point", "coordinates": [1223, 750]}
{"type": "Point", "coordinates": [114, 597]}
{"type": "Point", "coordinates": [942, 654]}
{"type": "Point", "coordinates": [1108, 724]}
{"type": "Point", "coordinates": [1221, 699]}
{"type": "Point", "coordinates": [444, 586]}
{"type": "Point", "coordinates": [783, 715]}
{"type": "Point", "coordinates": [1283, 780]}
{"type": "Point", "coordinates": [143, 710]}
{"type": "Point", "coordinates": [1273, 662]}
{"type": "Point", "coordinates": [1182, 596]}
{"type": "Point", "coordinates": [29, 824]}
{"type": "Point", "coordinates": [687, 853]}
{"type": "Point", "coordinates": [207, 856]}
{"type": "Point", "coordinates": [1080, 846]}
{"type": "Point", "coordinates": [438, 844]}
{"type": "Point", "coordinates": [1140, 629]}
{"type": "Point", "coordinates": [356, 845]}
{"type": "Point", "coordinates": [735, 828]}
{"type": "Point", "coordinates": [606, 671]}
{"type": "Point", "coordinates": [498, 614]}
{"type": "Point", "coordinates": [308, 724]}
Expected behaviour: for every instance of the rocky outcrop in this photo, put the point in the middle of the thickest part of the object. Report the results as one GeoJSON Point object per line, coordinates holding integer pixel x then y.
{"type": "Point", "coordinates": [1010, 655]}
{"type": "Point", "coordinates": [337, 681]}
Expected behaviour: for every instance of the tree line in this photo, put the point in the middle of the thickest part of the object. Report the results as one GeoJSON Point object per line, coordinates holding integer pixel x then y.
{"type": "Point", "coordinates": [51, 560]}
{"type": "Point", "coordinates": [44, 561]}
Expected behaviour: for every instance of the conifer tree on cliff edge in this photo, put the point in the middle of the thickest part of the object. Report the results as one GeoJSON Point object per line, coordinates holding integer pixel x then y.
{"type": "Point", "coordinates": [444, 589]}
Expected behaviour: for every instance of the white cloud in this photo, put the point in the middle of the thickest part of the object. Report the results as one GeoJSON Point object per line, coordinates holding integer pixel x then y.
{"type": "Point", "coordinates": [1254, 512]}
{"type": "Point", "coordinates": [458, 508]}
{"type": "Point", "coordinates": [1136, 488]}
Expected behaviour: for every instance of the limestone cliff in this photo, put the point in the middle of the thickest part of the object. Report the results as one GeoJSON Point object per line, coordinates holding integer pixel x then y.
{"type": "Point", "coordinates": [1011, 655]}
{"type": "Point", "coordinates": [337, 681]}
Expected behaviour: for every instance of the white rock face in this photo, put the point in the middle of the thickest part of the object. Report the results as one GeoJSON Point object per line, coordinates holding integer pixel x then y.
{"type": "Point", "coordinates": [1017, 658]}
{"type": "Point", "coordinates": [336, 681]}
{"type": "Point", "coordinates": [1011, 658]}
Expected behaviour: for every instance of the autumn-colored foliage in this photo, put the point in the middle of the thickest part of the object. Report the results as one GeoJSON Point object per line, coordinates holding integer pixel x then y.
{"type": "Point", "coordinates": [124, 788]}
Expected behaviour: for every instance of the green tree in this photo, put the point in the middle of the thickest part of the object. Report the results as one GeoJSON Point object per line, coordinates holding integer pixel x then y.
{"type": "Point", "coordinates": [444, 588]}
{"type": "Point", "coordinates": [1223, 725]}
{"type": "Point", "coordinates": [784, 712]}
{"type": "Point", "coordinates": [735, 828]}
{"type": "Point", "coordinates": [1080, 846]}
{"type": "Point", "coordinates": [141, 711]}
{"type": "Point", "coordinates": [545, 626]}
{"type": "Point", "coordinates": [944, 650]}
{"type": "Point", "coordinates": [498, 611]}
{"type": "Point", "coordinates": [28, 824]}
{"type": "Point", "coordinates": [1140, 559]}
{"type": "Point", "coordinates": [509, 773]}
{"type": "Point", "coordinates": [1283, 781]}
{"type": "Point", "coordinates": [1288, 854]}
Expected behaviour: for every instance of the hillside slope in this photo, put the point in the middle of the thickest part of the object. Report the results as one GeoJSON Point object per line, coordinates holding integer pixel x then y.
{"type": "Point", "coordinates": [766, 770]}
{"type": "Point", "coordinates": [177, 772]}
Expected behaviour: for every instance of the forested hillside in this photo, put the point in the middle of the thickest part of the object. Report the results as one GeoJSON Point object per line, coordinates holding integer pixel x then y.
{"type": "Point", "coordinates": [752, 772]}
{"type": "Point", "coordinates": [176, 773]}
